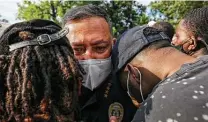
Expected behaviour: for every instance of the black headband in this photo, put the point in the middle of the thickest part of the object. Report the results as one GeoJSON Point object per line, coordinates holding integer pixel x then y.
{"type": "Point", "coordinates": [40, 40]}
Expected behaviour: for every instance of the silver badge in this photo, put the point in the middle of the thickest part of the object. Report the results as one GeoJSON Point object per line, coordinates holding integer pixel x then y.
{"type": "Point", "coordinates": [116, 109]}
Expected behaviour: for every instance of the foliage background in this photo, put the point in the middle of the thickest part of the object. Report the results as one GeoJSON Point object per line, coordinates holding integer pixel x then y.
{"type": "Point", "coordinates": [123, 14]}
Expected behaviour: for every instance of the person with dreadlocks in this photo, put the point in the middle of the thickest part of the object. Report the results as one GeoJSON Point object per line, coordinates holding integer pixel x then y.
{"type": "Point", "coordinates": [39, 77]}
{"type": "Point", "coordinates": [192, 33]}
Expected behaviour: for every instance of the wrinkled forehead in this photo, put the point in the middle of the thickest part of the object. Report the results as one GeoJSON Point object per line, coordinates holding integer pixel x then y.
{"type": "Point", "coordinates": [95, 29]}
{"type": "Point", "coordinates": [91, 23]}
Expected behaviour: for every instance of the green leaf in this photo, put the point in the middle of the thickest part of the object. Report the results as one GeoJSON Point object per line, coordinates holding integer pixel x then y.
{"type": "Point", "coordinates": [123, 14]}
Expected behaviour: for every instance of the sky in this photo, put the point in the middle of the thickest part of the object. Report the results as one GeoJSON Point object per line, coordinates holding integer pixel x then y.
{"type": "Point", "coordinates": [9, 9]}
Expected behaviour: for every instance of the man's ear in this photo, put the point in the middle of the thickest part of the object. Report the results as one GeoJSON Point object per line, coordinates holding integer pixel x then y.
{"type": "Point", "coordinates": [193, 43]}
{"type": "Point", "coordinates": [131, 70]}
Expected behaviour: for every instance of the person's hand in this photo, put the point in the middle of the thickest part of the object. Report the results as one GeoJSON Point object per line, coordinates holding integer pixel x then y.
{"type": "Point", "coordinates": [113, 119]}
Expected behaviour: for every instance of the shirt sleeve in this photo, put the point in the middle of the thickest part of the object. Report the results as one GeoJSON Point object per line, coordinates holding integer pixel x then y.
{"type": "Point", "coordinates": [182, 101]}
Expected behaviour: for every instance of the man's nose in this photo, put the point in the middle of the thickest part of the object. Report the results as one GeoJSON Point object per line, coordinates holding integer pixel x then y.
{"type": "Point", "coordinates": [113, 119]}
{"type": "Point", "coordinates": [88, 55]}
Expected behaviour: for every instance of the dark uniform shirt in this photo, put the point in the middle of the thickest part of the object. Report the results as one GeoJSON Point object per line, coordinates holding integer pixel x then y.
{"type": "Point", "coordinates": [109, 98]}
{"type": "Point", "coordinates": [182, 97]}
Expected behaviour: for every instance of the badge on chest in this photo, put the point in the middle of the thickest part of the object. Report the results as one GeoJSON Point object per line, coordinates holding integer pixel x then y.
{"type": "Point", "coordinates": [116, 109]}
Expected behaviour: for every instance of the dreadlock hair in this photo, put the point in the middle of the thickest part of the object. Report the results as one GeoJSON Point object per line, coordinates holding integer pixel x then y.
{"type": "Point", "coordinates": [37, 83]}
{"type": "Point", "coordinates": [196, 21]}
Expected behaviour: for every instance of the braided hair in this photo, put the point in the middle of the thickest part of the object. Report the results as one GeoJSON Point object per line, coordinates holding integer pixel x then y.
{"type": "Point", "coordinates": [196, 21]}
{"type": "Point", "coordinates": [37, 83]}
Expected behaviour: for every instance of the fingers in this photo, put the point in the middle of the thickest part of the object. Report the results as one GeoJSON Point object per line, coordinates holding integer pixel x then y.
{"type": "Point", "coordinates": [113, 119]}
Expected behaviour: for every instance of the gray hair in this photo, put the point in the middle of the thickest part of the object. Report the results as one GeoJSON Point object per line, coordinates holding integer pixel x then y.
{"type": "Point", "coordinates": [86, 11]}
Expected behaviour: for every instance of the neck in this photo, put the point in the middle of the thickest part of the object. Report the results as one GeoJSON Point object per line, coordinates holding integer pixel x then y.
{"type": "Point", "coordinates": [200, 52]}
{"type": "Point", "coordinates": [159, 64]}
{"type": "Point", "coordinates": [166, 61]}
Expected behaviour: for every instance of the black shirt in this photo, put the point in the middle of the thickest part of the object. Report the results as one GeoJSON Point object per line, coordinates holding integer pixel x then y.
{"type": "Point", "coordinates": [97, 105]}
{"type": "Point", "coordinates": [182, 97]}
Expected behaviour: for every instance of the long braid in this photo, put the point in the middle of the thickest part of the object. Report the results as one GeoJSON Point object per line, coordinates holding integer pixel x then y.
{"type": "Point", "coordinates": [73, 65]}
{"type": "Point", "coordinates": [17, 100]}
{"type": "Point", "coordinates": [41, 83]}
{"type": "Point", "coordinates": [26, 80]}
{"type": "Point", "coordinates": [45, 102]}
{"type": "Point", "coordinates": [64, 67]}
{"type": "Point", "coordinates": [34, 77]}
{"type": "Point", "coordinates": [4, 61]}
{"type": "Point", "coordinates": [10, 94]}
{"type": "Point", "coordinates": [19, 80]}
{"type": "Point", "coordinates": [62, 63]}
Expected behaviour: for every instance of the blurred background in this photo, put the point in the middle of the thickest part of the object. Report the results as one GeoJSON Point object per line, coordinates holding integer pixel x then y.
{"type": "Point", "coordinates": [123, 14]}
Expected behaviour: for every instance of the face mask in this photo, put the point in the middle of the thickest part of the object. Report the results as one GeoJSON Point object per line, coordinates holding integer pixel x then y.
{"type": "Point", "coordinates": [187, 40]}
{"type": "Point", "coordinates": [180, 47]}
{"type": "Point", "coordinates": [97, 70]}
{"type": "Point", "coordinates": [140, 85]}
{"type": "Point", "coordinates": [204, 42]}
{"type": "Point", "coordinates": [184, 42]}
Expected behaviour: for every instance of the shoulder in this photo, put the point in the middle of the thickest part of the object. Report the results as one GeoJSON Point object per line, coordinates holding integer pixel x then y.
{"type": "Point", "coordinates": [182, 98]}
{"type": "Point", "coordinates": [181, 105]}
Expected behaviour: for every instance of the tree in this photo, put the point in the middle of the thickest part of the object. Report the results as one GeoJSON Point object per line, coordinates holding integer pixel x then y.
{"type": "Point", "coordinates": [48, 9]}
{"type": "Point", "coordinates": [123, 14]}
{"type": "Point", "coordinates": [173, 11]}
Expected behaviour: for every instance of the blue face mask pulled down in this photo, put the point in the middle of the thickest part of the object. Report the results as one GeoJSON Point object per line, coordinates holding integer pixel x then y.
{"type": "Point", "coordinates": [97, 70]}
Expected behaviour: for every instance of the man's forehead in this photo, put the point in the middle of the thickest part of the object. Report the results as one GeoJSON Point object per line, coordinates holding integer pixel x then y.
{"type": "Point", "coordinates": [91, 42]}
{"type": "Point", "coordinates": [91, 22]}
{"type": "Point", "coordinates": [88, 20]}
{"type": "Point", "coordinates": [82, 34]}
{"type": "Point", "coordinates": [88, 29]}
